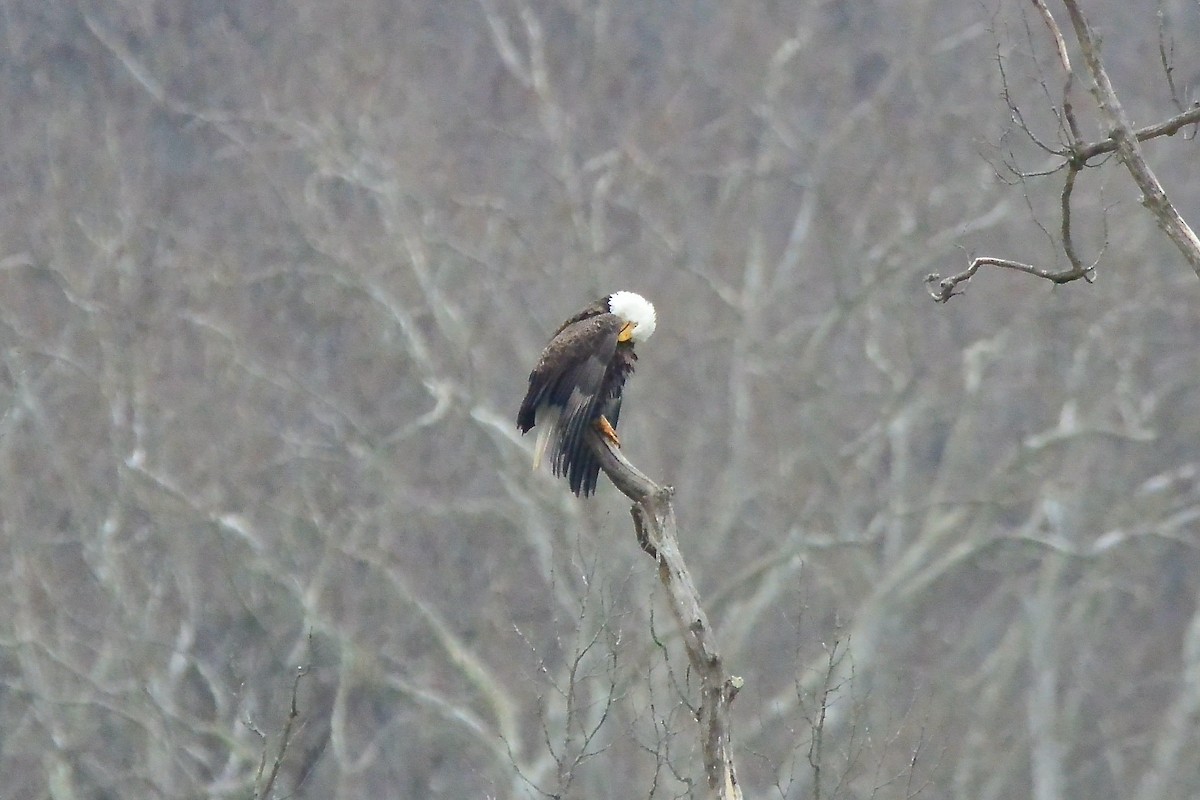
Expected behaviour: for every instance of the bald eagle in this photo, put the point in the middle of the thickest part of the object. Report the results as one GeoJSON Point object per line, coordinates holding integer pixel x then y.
{"type": "Point", "coordinates": [578, 381]}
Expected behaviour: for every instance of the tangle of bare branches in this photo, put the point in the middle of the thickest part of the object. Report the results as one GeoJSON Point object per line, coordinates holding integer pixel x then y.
{"type": "Point", "coordinates": [1077, 153]}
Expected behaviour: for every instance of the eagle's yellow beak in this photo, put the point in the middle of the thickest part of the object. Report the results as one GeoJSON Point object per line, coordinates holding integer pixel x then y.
{"type": "Point", "coordinates": [626, 332]}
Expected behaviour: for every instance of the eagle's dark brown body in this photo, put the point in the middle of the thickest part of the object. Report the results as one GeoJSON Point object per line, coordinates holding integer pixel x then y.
{"type": "Point", "coordinates": [578, 380]}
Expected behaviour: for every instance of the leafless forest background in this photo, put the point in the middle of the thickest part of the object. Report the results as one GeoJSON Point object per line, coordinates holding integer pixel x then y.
{"type": "Point", "coordinates": [272, 276]}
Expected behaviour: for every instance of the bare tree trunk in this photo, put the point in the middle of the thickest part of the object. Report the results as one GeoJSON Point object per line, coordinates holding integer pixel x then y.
{"type": "Point", "coordinates": [654, 523]}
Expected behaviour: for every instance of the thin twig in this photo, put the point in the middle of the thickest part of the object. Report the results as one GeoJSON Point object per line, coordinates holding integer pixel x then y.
{"type": "Point", "coordinates": [285, 738]}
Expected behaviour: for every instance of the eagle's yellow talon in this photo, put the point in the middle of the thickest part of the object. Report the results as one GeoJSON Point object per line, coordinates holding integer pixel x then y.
{"type": "Point", "coordinates": [607, 431]}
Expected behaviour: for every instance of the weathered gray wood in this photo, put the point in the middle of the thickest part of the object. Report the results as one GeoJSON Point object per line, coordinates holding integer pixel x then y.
{"type": "Point", "coordinates": [654, 522]}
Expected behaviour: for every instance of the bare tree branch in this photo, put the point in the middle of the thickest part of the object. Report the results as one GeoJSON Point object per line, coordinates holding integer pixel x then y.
{"type": "Point", "coordinates": [1128, 149]}
{"type": "Point", "coordinates": [654, 522]}
{"type": "Point", "coordinates": [942, 289]}
{"type": "Point", "coordinates": [1168, 127]}
{"type": "Point", "coordinates": [285, 739]}
{"type": "Point", "coordinates": [1060, 44]}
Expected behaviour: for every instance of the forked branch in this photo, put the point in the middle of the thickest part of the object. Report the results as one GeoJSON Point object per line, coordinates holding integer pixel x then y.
{"type": "Point", "coordinates": [1127, 145]}
{"type": "Point", "coordinates": [654, 523]}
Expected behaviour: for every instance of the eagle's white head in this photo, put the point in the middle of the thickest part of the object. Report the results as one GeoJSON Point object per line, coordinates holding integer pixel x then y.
{"type": "Point", "coordinates": [635, 309]}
